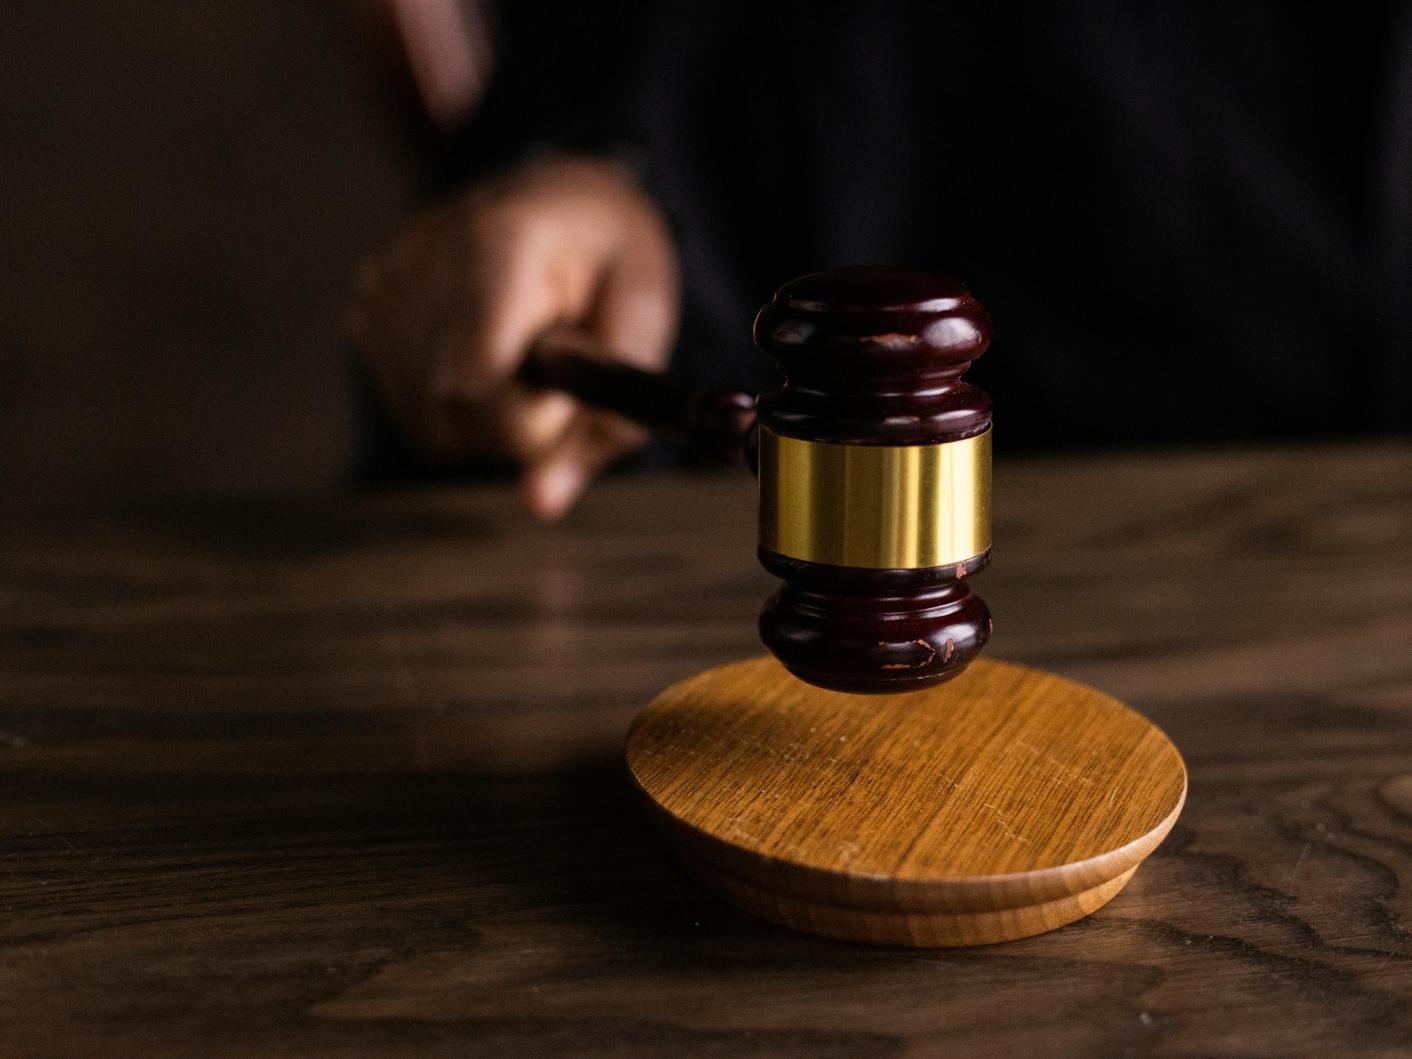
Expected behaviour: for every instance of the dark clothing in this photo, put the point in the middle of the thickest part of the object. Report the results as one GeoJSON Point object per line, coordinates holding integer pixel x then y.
{"type": "Point", "coordinates": [1190, 222]}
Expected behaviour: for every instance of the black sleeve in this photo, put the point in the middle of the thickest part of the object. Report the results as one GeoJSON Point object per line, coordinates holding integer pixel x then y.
{"type": "Point", "coordinates": [568, 75]}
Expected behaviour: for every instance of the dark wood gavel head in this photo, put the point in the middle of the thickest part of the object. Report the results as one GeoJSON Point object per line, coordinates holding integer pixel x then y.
{"type": "Point", "coordinates": [874, 465]}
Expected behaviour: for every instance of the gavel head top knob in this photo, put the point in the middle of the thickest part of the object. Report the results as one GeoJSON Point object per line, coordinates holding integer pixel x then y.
{"type": "Point", "coordinates": [874, 356]}
{"type": "Point", "coordinates": [874, 478]}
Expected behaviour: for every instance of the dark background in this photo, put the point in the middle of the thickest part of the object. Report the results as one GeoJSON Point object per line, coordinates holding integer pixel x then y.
{"type": "Point", "coordinates": [187, 189]}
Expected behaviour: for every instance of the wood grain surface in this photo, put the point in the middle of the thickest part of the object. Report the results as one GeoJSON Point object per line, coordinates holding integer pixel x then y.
{"type": "Point", "coordinates": [345, 777]}
{"type": "Point", "coordinates": [1001, 804]}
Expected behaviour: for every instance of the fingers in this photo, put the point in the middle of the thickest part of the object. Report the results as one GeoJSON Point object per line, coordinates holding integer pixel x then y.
{"type": "Point", "coordinates": [554, 482]}
{"type": "Point", "coordinates": [633, 315]}
{"type": "Point", "coordinates": [506, 300]}
{"type": "Point", "coordinates": [474, 404]}
{"type": "Point", "coordinates": [635, 309]}
{"type": "Point", "coordinates": [512, 423]}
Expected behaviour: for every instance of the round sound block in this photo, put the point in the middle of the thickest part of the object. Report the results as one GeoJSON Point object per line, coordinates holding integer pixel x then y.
{"type": "Point", "coordinates": [1005, 803]}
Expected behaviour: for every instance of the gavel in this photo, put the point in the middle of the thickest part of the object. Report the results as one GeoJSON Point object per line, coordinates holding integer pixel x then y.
{"type": "Point", "coordinates": [873, 459]}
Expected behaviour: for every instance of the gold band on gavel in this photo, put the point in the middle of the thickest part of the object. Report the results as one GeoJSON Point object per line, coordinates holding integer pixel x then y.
{"type": "Point", "coordinates": [883, 507]}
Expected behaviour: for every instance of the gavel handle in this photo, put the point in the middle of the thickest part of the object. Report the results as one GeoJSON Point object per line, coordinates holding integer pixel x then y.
{"type": "Point", "coordinates": [717, 424]}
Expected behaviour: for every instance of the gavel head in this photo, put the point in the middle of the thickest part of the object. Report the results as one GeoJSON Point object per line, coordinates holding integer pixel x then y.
{"type": "Point", "coordinates": [874, 479]}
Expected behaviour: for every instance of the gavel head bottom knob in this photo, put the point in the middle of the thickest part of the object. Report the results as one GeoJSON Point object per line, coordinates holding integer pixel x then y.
{"type": "Point", "coordinates": [873, 631]}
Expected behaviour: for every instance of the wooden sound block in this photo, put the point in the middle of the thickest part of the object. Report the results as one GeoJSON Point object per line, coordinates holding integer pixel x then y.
{"type": "Point", "coordinates": [1003, 804]}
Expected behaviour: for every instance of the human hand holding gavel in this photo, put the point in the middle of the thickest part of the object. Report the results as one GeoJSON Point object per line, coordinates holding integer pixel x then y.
{"type": "Point", "coordinates": [559, 251]}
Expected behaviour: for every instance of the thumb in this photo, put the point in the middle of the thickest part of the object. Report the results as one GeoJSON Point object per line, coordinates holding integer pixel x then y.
{"type": "Point", "coordinates": [554, 482]}
{"type": "Point", "coordinates": [637, 302]}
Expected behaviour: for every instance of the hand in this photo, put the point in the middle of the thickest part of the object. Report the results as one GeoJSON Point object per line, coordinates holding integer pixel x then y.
{"type": "Point", "coordinates": [447, 311]}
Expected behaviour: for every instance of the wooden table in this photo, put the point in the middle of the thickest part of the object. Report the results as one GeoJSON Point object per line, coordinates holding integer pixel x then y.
{"type": "Point", "coordinates": [345, 777]}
